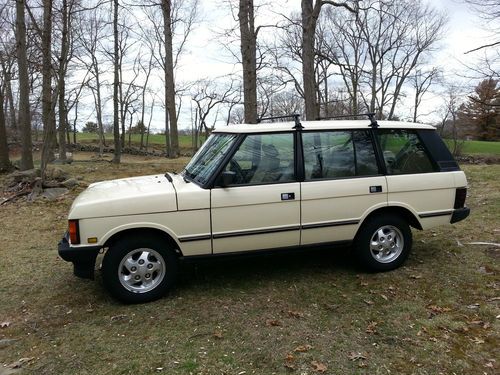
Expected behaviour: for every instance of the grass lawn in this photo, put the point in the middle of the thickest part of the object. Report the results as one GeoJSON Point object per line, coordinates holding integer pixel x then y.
{"type": "Point", "coordinates": [308, 313]}
{"type": "Point", "coordinates": [481, 147]}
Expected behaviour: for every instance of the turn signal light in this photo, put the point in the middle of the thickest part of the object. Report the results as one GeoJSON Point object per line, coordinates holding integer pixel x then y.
{"type": "Point", "coordinates": [74, 232]}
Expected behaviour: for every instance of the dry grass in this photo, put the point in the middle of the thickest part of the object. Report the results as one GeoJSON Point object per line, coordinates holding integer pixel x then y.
{"type": "Point", "coordinates": [301, 314]}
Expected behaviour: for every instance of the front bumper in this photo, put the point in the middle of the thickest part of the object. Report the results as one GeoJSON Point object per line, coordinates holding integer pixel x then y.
{"type": "Point", "coordinates": [459, 214]}
{"type": "Point", "coordinates": [83, 258]}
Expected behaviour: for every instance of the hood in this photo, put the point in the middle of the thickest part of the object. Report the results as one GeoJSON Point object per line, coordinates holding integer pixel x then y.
{"type": "Point", "coordinates": [127, 196]}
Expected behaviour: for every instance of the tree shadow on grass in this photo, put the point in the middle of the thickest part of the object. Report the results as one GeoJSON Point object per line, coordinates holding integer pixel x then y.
{"type": "Point", "coordinates": [245, 270]}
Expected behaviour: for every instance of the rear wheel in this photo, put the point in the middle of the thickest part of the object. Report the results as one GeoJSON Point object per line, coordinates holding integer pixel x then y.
{"type": "Point", "coordinates": [383, 242]}
{"type": "Point", "coordinates": [137, 270]}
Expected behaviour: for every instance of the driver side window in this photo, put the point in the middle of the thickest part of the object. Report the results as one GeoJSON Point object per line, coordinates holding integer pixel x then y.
{"type": "Point", "coordinates": [262, 159]}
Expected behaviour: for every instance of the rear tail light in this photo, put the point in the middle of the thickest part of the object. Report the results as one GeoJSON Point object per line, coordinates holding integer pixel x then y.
{"type": "Point", "coordinates": [74, 232]}
{"type": "Point", "coordinates": [460, 195]}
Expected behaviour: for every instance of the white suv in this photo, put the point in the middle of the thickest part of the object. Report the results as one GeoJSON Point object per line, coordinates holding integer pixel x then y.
{"type": "Point", "coordinates": [270, 186]}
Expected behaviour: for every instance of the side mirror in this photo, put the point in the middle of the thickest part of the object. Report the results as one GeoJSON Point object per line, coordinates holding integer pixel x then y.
{"type": "Point", "coordinates": [227, 178]}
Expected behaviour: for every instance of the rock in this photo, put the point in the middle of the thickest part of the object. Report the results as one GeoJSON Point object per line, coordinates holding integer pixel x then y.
{"type": "Point", "coordinates": [55, 173]}
{"type": "Point", "coordinates": [70, 183]}
{"type": "Point", "coordinates": [53, 193]}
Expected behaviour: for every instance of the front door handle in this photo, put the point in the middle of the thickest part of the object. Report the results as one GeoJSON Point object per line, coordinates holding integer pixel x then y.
{"type": "Point", "coordinates": [376, 189]}
{"type": "Point", "coordinates": [287, 196]}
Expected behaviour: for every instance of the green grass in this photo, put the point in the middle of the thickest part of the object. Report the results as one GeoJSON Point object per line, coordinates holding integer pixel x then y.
{"type": "Point", "coordinates": [478, 147]}
{"type": "Point", "coordinates": [437, 314]}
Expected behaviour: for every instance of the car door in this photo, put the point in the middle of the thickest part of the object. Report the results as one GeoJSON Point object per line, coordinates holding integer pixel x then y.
{"type": "Point", "coordinates": [260, 209]}
{"type": "Point", "coordinates": [342, 182]}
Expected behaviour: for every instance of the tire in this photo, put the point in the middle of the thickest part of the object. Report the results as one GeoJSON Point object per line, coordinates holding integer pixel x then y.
{"type": "Point", "coordinates": [383, 242]}
{"type": "Point", "coordinates": [139, 269]}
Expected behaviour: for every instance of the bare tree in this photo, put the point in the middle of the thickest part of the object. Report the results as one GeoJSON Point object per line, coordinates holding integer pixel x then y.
{"type": "Point", "coordinates": [248, 35]}
{"type": "Point", "coordinates": [422, 81]}
{"type": "Point", "coordinates": [5, 164]}
{"type": "Point", "coordinates": [310, 14]}
{"type": "Point", "coordinates": [24, 118]}
{"type": "Point", "coordinates": [208, 95]}
{"type": "Point", "coordinates": [47, 108]}
{"type": "Point", "coordinates": [170, 36]}
{"type": "Point", "coordinates": [92, 29]}
{"type": "Point", "coordinates": [116, 84]}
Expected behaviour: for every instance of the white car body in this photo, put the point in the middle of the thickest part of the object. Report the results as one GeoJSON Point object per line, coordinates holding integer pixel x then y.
{"type": "Point", "coordinates": [203, 220]}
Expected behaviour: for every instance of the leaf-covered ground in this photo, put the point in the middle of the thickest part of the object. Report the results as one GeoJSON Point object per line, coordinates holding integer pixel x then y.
{"type": "Point", "coordinates": [305, 313]}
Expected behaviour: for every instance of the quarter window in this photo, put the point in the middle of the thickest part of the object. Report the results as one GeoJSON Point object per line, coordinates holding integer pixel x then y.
{"type": "Point", "coordinates": [264, 158]}
{"type": "Point", "coordinates": [403, 152]}
{"type": "Point", "coordinates": [336, 154]}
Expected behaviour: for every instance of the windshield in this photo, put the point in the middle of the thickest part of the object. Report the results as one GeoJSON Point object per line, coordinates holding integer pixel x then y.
{"type": "Point", "coordinates": [208, 157]}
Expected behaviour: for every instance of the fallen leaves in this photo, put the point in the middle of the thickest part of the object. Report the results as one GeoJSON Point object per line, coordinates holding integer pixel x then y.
{"type": "Point", "coordinates": [372, 328]}
{"type": "Point", "coordinates": [218, 334]}
{"type": "Point", "coordinates": [477, 341]}
{"type": "Point", "coordinates": [303, 348]}
{"type": "Point", "coordinates": [318, 366]}
{"type": "Point", "coordinates": [435, 310]}
{"type": "Point", "coordinates": [5, 324]}
{"type": "Point", "coordinates": [295, 314]}
{"type": "Point", "coordinates": [21, 362]}
{"type": "Point", "coordinates": [289, 361]}
{"type": "Point", "coordinates": [357, 356]}
{"type": "Point", "coordinates": [273, 323]}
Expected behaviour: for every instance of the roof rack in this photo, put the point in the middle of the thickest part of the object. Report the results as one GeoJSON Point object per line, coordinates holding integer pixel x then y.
{"type": "Point", "coordinates": [295, 116]}
{"type": "Point", "coordinates": [370, 115]}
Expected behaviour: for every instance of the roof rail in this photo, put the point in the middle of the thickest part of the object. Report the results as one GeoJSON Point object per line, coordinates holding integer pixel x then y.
{"type": "Point", "coordinates": [370, 115]}
{"type": "Point", "coordinates": [295, 116]}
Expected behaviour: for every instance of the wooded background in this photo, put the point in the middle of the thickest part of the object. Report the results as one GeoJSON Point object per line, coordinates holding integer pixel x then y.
{"type": "Point", "coordinates": [331, 58]}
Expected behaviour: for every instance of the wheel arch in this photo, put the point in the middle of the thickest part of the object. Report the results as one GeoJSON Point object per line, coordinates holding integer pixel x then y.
{"type": "Point", "coordinates": [145, 231]}
{"type": "Point", "coordinates": [403, 212]}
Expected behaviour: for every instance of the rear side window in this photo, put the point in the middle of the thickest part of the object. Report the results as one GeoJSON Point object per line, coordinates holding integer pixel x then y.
{"type": "Point", "coordinates": [337, 154]}
{"type": "Point", "coordinates": [404, 153]}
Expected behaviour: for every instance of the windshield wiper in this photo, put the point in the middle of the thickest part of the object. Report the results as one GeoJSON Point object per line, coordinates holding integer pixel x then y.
{"type": "Point", "coordinates": [168, 177]}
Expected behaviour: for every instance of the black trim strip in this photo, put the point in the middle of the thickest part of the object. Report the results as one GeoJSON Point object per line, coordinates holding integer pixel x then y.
{"type": "Point", "coordinates": [330, 224]}
{"type": "Point", "coordinates": [201, 237]}
{"type": "Point", "coordinates": [434, 214]}
{"type": "Point", "coordinates": [271, 251]}
{"type": "Point", "coordinates": [256, 231]}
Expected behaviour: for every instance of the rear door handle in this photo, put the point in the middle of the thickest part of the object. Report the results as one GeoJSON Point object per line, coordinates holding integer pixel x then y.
{"type": "Point", "coordinates": [376, 189]}
{"type": "Point", "coordinates": [287, 196]}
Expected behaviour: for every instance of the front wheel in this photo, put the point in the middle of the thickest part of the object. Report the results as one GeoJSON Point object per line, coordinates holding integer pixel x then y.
{"type": "Point", "coordinates": [383, 242]}
{"type": "Point", "coordinates": [137, 270]}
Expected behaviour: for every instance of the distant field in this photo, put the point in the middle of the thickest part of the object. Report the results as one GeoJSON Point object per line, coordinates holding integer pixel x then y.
{"type": "Point", "coordinates": [481, 147]}
{"type": "Point", "coordinates": [470, 147]}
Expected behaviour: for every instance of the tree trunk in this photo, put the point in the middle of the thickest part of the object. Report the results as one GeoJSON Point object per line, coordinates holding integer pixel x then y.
{"type": "Point", "coordinates": [47, 109]}
{"type": "Point", "coordinates": [116, 125]}
{"type": "Point", "coordinates": [62, 83]}
{"type": "Point", "coordinates": [173, 147]}
{"type": "Point", "coordinates": [248, 59]}
{"type": "Point", "coordinates": [24, 117]}
{"type": "Point", "coordinates": [7, 73]}
{"type": "Point", "coordinates": [5, 164]}
{"type": "Point", "coordinates": [310, 15]}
